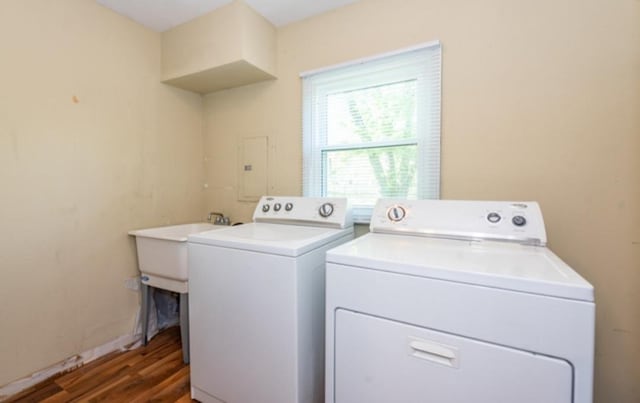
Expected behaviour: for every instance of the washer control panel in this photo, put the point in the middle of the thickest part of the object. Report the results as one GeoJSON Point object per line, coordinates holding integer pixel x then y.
{"type": "Point", "coordinates": [470, 220]}
{"type": "Point", "coordinates": [318, 211]}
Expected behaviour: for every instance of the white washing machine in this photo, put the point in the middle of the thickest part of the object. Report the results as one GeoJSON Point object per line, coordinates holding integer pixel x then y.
{"type": "Point", "coordinates": [456, 302]}
{"type": "Point", "coordinates": [257, 302]}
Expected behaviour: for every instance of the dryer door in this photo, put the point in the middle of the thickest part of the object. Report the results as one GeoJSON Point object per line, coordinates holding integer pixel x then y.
{"type": "Point", "coordinates": [379, 360]}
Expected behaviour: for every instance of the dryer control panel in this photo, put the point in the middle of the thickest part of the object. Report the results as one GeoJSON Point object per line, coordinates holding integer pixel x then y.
{"type": "Point", "coordinates": [332, 212]}
{"type": "Point", "coordinates": [461, 219]}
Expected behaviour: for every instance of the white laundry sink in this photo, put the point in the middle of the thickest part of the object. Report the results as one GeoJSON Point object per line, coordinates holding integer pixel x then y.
{"type": "Point", "coordinates": [162, 259]}
{"type": "Point", "coordinates": [162, 254]}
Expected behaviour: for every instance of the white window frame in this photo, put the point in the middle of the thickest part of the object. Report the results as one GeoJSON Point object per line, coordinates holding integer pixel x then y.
{"type": "Point", "coordinates": [359, 74]}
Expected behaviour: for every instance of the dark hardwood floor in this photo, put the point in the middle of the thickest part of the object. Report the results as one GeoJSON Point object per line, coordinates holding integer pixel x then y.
{"type": "Point", "coordinates": [154, 373]}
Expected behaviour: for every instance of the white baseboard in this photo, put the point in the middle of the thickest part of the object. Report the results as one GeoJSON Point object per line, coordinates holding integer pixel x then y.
{"type": "Point", "coordinates": [125, 342]}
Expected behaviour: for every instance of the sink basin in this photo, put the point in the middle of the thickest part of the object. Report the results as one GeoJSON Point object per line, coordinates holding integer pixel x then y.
{"type": "Point", "coordinates": [162, 254]}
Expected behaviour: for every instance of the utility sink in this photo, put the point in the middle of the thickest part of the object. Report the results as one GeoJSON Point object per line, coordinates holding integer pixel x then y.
{"type": "Point", "coordinates": [162, 254]}
{"type": "Point", "coordinates": [162, 259]}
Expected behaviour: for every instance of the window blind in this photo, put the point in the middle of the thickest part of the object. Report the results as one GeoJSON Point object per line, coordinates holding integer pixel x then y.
{"type": "Point", "coordinates": [371, 129]}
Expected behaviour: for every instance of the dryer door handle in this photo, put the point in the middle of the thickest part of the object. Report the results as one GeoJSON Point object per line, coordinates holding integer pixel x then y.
{"type": "Point", "coordinates": [434, 352]}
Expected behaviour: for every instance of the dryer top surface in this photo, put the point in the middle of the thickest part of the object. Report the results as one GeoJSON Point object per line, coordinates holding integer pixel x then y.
{"type": "Point", "coordinates": [524, 268]}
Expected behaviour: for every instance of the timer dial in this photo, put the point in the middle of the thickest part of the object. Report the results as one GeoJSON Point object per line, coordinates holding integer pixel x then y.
{"type": "Point", "coordinates": [396, 213]}
{"type": "Point", "coordinates": [519, 220]}
{"type": "Point", "coordinates": [494, 218]}
{"type": "Point", "coordinates": [326, 210]}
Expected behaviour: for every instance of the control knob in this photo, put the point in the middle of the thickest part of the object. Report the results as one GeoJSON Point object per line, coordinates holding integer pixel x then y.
{"type": "Point", "coordinates": [494, 218]}
{"type": "Point", "coordinates": [518, 220]}
{"type": "Point", "coordinates": [326, 210]}
{"type": "Point", "coordinates": [277, 207]}
{"type": "Point", "coordinates": [396, 213]}
{"type": "Point", "coordinates": [288, 206]}
{"type": "Point", "coordinates": [265, 208]}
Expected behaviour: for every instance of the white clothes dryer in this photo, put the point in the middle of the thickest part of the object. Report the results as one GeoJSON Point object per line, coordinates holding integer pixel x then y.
{"type": "Point", "coordinates": [257, 302]}
{"type": "Point", "coordinates": [456, 302]}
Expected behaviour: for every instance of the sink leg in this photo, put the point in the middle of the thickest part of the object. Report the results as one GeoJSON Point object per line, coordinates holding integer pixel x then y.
{"type": "Point", "coordinates": [147, 293]}
{"type": "Point", "coordinates": [184, 326]}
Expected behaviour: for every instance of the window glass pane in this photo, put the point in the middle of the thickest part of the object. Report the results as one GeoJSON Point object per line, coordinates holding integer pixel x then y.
{"type": "Point", "coordinates": [371, 128]}
{"type": "Point", "coordinates": [364, 175]}
{"type": "Point", "coordinates": [379, 113]}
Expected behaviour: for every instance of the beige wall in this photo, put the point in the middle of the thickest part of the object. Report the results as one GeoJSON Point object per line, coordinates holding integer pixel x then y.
{"type": "Point", "coordinates": [541, 101]}
{"type": "Point", "coordinates": [75, 177]}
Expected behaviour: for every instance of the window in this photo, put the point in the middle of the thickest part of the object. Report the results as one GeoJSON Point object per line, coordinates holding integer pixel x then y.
{"type": "Point", "coordinates": [371, 129]}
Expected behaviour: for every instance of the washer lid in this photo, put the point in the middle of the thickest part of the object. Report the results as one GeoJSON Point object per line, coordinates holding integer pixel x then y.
{"type": "Point", "coordinates": [524, 268]}
{"type": "Point", "coordinates": [276, 239]}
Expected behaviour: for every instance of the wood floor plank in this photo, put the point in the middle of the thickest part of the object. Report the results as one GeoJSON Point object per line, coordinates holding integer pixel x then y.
{"type": "Point", "coordinates": [60, 397]}
{"type": "Point", "coordinates": [174, 383]}
{"type": "Point", "coordinates": [101, 394]}
{"type": "Point", "coordinates": [71, 376]}
{"type": "Point", "coordinates": [154, 356]}
{"type": "Point", "coordinates": [89, 371]}
{"type": "Point", "coordinates": [152, 373]}
{"type": "Point", "coordinates": [166, 364]}
{"type": "Point", "coordinates": [97, 377]}
{"type": "Point", "coordinates": [174, 390]}
{"type": "Point", "coordinates": [186, 398]}
{"type": "Point", "coordinates": [37, 393]}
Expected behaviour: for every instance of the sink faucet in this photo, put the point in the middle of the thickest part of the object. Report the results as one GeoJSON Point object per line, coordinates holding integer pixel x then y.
{"type": "Point", "coordinates": [220, 218]}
